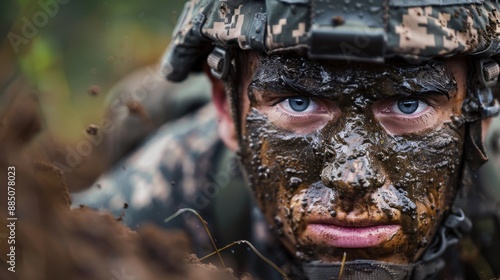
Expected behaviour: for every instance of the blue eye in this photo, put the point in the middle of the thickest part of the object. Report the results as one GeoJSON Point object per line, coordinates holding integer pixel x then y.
{"type": "Point", "coordinates": [299, 104]}
{"type": "Point", "coordinates": [408, 106]}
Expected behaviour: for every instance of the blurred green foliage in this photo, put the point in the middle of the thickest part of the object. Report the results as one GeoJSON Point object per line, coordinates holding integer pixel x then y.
{"type": "Point", "coordinates": [64, 47]}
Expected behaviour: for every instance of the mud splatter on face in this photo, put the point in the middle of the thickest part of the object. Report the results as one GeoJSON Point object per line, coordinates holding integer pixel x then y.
{"type": "Point", "coordinates": [362, 168]}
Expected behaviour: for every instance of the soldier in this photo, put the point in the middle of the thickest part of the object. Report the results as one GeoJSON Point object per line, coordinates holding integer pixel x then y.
{"type": "Point", "coordinates": [358, 125]}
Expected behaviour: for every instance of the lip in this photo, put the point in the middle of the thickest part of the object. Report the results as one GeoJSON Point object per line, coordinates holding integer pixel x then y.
{"type": "Point", "coordinates": [349, 236]}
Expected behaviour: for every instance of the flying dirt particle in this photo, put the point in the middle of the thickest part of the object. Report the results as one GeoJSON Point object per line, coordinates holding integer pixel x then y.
{"type": "Point", "coordinates": [92, 129]}
{"type": "Point", "coordinates": [138, 109]}
{"type": "Point", "coordinates": [94, 90]}
{"type": "Point", "coordinates": [125, 205]}
{"type": "Point", "coordinates": [134, 106]}
{"type": "Point", "coordinates": [338, 20]}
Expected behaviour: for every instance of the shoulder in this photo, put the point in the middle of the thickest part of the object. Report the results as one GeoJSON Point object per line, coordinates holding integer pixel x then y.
{"type": "Point", "coordinates": [161, 172]}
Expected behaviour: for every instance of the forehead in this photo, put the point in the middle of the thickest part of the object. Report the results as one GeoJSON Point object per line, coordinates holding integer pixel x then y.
{"type": "Point", "coordinates": [328, 77]}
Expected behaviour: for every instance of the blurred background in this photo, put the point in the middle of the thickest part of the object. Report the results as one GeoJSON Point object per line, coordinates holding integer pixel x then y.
{"type": "Point", "coordinates": [68, 49]}
{"type": "Point", "coordinates": [59, 60]}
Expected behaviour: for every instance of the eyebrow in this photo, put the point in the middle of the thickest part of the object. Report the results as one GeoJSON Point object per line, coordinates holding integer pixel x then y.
{"type": "Point", "coordinates": [429, 86]}
{"type": "Point", "coordinates": [428, 79]}
{"type": "Point", "coordinates": [284, 85]}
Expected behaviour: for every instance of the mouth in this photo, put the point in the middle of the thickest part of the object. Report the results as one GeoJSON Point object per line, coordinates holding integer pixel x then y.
{"type": "Point", "coordinates": [344, 236]}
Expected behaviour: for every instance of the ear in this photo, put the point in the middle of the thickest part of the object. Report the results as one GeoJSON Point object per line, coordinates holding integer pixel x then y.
{"type": "Point", "coordinates": [225, 122]}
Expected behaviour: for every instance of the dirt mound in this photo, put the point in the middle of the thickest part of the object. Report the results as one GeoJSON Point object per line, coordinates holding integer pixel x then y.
{"type": "Point", "coordinates": [43, 239]}
{"type": "Point", "coordinates": [54, 242]}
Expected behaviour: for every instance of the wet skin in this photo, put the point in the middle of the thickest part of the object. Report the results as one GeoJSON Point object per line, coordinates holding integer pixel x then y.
{"type": "Point", "coordinates": [354, 158]}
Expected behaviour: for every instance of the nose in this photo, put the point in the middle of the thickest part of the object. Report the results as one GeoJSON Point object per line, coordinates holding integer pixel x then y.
{"type": "Point", "coordinates": [357, 175]}
{"type": "Point", "coordinates": [352, 169]}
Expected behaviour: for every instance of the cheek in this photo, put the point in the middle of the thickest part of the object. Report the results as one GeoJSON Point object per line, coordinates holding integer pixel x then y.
{"type": "Point", "coordinates": [425, 170]}
{"type": "Point", "coordinates": [427, 165]}
{"type": "Point", "coordinates": [278, 167]}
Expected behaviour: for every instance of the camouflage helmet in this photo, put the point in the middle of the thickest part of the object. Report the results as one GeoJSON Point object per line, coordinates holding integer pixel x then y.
{"type": "Point", "coordinates": [368, 30]}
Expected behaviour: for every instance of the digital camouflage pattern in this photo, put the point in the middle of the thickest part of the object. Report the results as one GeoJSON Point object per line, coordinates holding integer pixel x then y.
{"type": "Point", "coordinates": [363, 30]}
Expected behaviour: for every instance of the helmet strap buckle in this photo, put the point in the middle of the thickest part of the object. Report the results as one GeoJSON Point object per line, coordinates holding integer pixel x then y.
{"type": "Point", "coordinates": [482, 104]}
{"type": "Point", "coordinates": [487, 71]}
{"type": "Point", "coordinates": [219, 62]}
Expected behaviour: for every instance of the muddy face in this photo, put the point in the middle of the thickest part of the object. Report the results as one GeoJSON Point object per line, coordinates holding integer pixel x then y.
{"type": "Point", "coordinates": [354, 158]}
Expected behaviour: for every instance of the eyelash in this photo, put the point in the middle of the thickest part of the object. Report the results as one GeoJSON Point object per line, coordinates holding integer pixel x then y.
{"type": "Point", "coordinates": [289, 116]}
{"type": "Point", "coordinates": [421, 117]}
{"type": "Point", "coordinates": [292, 117]}
{"type": "Point", "coordinates": [426, 101]}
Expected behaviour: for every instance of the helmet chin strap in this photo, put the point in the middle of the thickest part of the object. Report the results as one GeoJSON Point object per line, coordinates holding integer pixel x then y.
{"type": "Point", "coordinates": [224, 65]}
{"type": "Point", "coordinates": [480, 104]}
{"type": "Point", "coordinates": [371, 270]}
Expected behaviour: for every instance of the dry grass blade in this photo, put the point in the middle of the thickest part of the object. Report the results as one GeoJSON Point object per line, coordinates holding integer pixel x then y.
{"type": "Point", "coordinates": [180, 211]}
{"type": "Point", "coordinates": [342, 266]}
{"type": "Point", "coordinates": [254, 250]}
